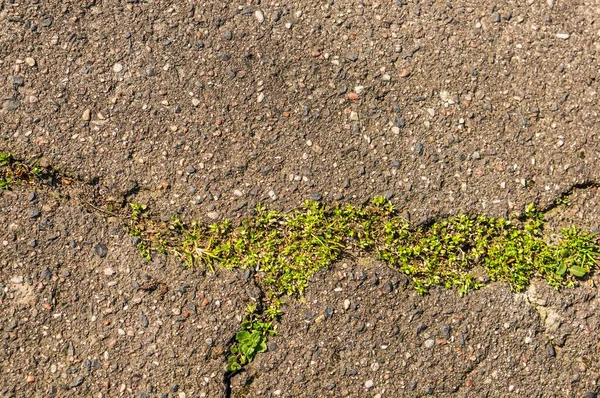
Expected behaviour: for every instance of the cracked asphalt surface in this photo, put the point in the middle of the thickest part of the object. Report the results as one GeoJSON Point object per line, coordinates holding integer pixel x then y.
{"type": "Point", "coordinates": [204, 109]}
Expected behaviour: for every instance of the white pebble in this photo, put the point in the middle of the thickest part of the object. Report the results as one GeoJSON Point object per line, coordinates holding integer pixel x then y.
{"type": "Point", "coordinates": [213, 215]}
{"type": "Point", "coordinates": [369, 383]}
{"type": "Point", "coordinates": [117, 67]}
{"type": "Point", "coordinates": [260, 17]}
{"type": "Point", "coordinates": [429, 343]}
{"type": "Point", "coordinates": [346, 304]}
{"type": "Point", "coordinates": [30, 61]}
{"type": "Point", "coordinates": [272, 195]}
{"type": "Point", "coordinates": [563, 36]}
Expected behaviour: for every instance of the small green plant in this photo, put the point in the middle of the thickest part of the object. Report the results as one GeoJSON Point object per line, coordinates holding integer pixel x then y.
{"type": "Point", "coordinates": [14, 171]}
{"type": "Point", "coordinates": [251, 339]}
{"type": "Point", "coordinates": [563, 200]}
{"type": "Point", "coordinates": [137, 210]}
{"type": "Point", "coordinates": [6, 159]}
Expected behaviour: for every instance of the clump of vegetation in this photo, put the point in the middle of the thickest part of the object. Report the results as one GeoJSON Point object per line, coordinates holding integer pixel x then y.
{"type": "Point", "coordinates": [14, 171]}
{"type": "Point", "coordinates": [287, 249]}
{"type": "Point", "coordinates": [252, 337]}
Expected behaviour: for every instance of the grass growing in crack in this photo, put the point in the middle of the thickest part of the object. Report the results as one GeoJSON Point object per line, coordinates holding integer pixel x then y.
{"type": "Point", "coordinates": [251, 340]}
{"type": "Point", "coordinates": [287, 249]}
{"type": "Point", "coordinates": [14, 171]}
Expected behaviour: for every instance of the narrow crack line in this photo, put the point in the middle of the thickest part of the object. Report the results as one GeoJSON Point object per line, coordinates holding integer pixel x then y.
{"type": "Point", "coordinates": [568, 193]}
{"type": "Point", "coordinates": [228, 375]}
{"type": "Point", "coordinates": [63, 181]}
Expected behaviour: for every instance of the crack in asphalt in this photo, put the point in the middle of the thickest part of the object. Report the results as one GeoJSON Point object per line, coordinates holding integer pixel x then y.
{"type": "Point", "coordinates": [63, 185]}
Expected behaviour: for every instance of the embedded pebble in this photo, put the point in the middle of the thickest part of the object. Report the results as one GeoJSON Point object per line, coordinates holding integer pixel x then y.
{"type": "Point", "coordinates": [101, 250]}
{"type": "Point", "coordinates": [213, 215]}
{"type": "Point", "coordinates": [259, 15]}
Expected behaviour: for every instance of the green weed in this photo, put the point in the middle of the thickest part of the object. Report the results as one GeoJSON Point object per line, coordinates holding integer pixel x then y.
{"type": "Point", "coordinates": [14, 171]}
{"type": "Point", "coordinates": [287, 249]}
{"type": "Point", "coordinates": [251, 339]}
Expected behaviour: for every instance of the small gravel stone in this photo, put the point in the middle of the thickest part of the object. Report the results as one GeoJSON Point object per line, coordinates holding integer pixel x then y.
{"type": "Point", "coordinates": [117, 67]}
{"type": "Point", "coordinates": [213, 215]}
{"type": "Point", "coordinates": [17, 280]}
{"type": "Point", "coordinates": [143, 320]}
{"type": "Point", "coordinates": [47, 21]}
{"type": "Point", "coordinates": [551, 351]}
{"type": "Point", "coordinates": [429, 343]}
{"type": "Point", "coordinates": [388, 287]}
{"type": "Point", "coordinates": [101, 250]}
{"type": "Point", "coordinates": [109, 271]}
{"type": "Point", "coordinates": [46, 274]}
{"type": "Point", "coordinates": [446, 331]}
{"type": "Point", "coordinates": [563, 36]}
{"type": "Point", "coordinates": [369, 384]}
{"type": "Point", "coordinates": [12, 104]}
{"type": "Point", "coordinates": [346, 304]}
{"type": "Point", "coordinates": [77, 382]}
{"type": "Point", "coordinates": [86, 116]}
{"type": "Point", "coordinates": [34, 212]}
{"type": "Point", "coordinates": [30, 61]}
{"type": "Point", "coordinates": [190, 169]}
{"type": "Point", "coordinates": [316, 196]}
{"type": "Point", "coordinates": [228, 35]}
{"type": "Point", "coordinates": [18, 81]}
{"type": "Point", "coordinates": [259, 15]}
{"type": "Point", "coordinates": [272, 195]}
{"type": "Point", "coordinates": [352, 57]}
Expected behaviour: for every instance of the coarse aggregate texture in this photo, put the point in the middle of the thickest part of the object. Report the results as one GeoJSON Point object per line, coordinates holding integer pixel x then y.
{"type": "Point", "coordinates": [203, 110]}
